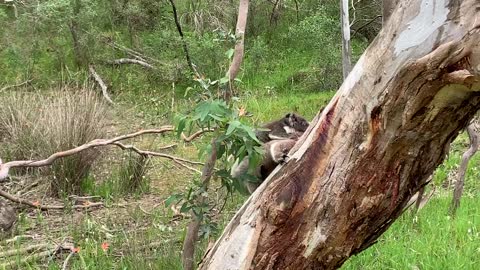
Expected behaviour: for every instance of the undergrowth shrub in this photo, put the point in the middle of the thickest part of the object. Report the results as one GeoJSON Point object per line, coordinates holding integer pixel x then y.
{"type": "Point", "coordinates": [131, 176]}
{"type": "Point", "coordinates": [34, 126]}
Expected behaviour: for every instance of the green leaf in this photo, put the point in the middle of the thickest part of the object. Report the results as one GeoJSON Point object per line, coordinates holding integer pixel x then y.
{"type": "Point", "coordinates": [224, 80]}
{"type": "Point", "coordinates": [230, 53]}
{"type": "Point", "coordinates": [232, 126]}
{"type": "Point", "coordinates": [172, 198]}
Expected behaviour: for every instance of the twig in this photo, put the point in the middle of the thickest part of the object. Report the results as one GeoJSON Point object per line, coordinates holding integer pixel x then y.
{"type": "Point", "coordinates": [15, 85]}
{"type": "Point", "coordinates": [19, 237]}
{"type": "Point", "coordinates": [65, 263]}
{"type": "Point", "coordinates": [366, 24]}
{"type": "Point", "coordinates": [195, 135]}
{"type": "Point", "coordinates": [100, 82]}
{"type": "Point", "coordinates": [12, 198]}
{"type": "Point", "coordinates": [32, 257]}
{"type": "Point", "coordinates": [123, 61]}
{"type": "Point", "coordinates": [177, 160]}
{"type": "Point", "coordinates": [168, 146]}
{"type": "Point", "coordinates": [12, 252]}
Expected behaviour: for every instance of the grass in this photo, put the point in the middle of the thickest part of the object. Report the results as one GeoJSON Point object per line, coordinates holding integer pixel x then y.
{"type": "Point", "coordinates": [35, 126]}
{"type": "Point", "coordinates": [430, 240]}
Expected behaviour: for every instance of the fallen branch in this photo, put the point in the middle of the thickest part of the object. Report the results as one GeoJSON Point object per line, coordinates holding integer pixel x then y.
{"type": "Point", "coordinates": [130, 52]}
{"type": "Point", "coordinates": [178, 160]}
{"type": "Point", "coordinates": [4, 168]}
{"type": "Point", "coordinates": [15, 85]}
{"type": "Point", "coordinates": [27, 249]}
{"type": "Point", "coordinates": [123, 61]}
{"type": "Point", "coordinates": [12, 198]}
{"type": "Point", "coordinates": [65, 263]}
{"type": "Point", "coordinates": [33, 257]}
{"type": "Point", "coordinates": [91, 144]}
{"type": "Point", "coordinates": [195, 135]}
{"type": "Point", "coordinates": [19, 238]}
{"type": "Point", "coordinates": [100, 82]}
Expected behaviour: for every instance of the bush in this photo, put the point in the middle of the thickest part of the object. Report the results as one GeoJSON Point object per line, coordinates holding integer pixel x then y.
{"type": "Point", "coordinates": [34, 126]}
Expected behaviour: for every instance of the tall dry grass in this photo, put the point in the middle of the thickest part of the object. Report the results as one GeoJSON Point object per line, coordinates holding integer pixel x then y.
{"type": "Point", "coordinates": [34, 126]}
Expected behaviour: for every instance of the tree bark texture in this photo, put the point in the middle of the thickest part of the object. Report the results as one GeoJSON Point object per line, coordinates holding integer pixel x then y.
{"type": "Point", "coordinates": [387, 9]}
{"type": "Point", "coordinates": [462, 170]}
{"type": "Point", "coordinates": [375, 145]}
{"type": "Point", "coordinates": [346, 48]}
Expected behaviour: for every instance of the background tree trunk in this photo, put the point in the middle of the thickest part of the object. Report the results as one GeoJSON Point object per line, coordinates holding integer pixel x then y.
{"type": "Point", "coordinates": [371, 148]}
{"type": "Point", "coordinates": [346, 48]}
{"type": "Point", "coordinates": [462, 170]}
{"type": "Point", "coordinates": [239, 47]}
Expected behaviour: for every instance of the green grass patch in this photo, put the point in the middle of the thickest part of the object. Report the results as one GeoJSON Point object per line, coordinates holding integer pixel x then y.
{"type": "Point", "coordinates": [430, 240]}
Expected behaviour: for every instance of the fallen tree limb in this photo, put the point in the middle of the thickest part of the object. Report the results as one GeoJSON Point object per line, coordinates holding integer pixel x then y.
{"type": "Point", "coordinates": [91, 144]}
{"type": "Point", "coordinates": [33, 257]}
{"type": "Point", "coordinates": [4, 168]}
{"type": "Point", "coordinates": [130, 52]}
{"type": "Point", "coordinates": [177, 160]}
{"type": "Point", "coordinates": [100, 82]}
{"type": "Point", "coordinates": [27, 249]}
{"type": "Point", "coordinates": [12, 198]}
{"type": "Point", "coordinates": [123, 61]}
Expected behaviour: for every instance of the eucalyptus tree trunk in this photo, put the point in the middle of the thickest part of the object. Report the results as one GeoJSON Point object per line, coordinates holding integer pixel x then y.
{"type": "Point", "coordinates": [387, 9]}
{"type": "Point", "coordinates": [346, 48]}
{"type": "Point", "coordinates": [239, 47]}
{"type": "Point", "coordinates": [376, 143]}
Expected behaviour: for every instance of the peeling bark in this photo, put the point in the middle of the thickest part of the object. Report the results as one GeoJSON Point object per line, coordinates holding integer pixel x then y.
{"type": "Point", "coordinates": [374, 146]}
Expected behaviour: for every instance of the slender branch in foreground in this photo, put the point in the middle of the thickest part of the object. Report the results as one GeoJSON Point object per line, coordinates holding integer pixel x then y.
{"type": "Point", "coordinates": [100, 82]}
{"type": "Point", "coordinates": [123, 61]}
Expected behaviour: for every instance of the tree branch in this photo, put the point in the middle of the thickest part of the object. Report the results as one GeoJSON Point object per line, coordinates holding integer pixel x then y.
{"type": "Point", "coordinates": [95, 143]}
{"type": "Point", "coordinates": [12, 198]}
{"type": "Point", "coordinates": [123, 61]}
{"type": "Point", "coordinates": [100, 82]}
{"type": "Point", "coordinates": [177, 160]}
{"type": "Point", "coordinates": [184, 43]}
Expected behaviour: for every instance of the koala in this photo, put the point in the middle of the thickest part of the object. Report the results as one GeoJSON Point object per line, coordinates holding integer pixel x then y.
{"type": "Point", "coordinates": [275, 152]}
{"type": "Point", "coordinates": [291, 126]}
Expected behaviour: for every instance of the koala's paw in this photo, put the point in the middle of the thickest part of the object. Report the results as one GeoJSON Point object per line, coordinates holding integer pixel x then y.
{"type": "Point", "coordinates": [283, 159]}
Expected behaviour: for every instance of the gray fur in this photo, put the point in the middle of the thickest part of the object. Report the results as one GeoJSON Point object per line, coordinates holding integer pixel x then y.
{"type": "Point", "coordinates": [291, 126]}
{"type": "Point", "coordinates": [275, 152]}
